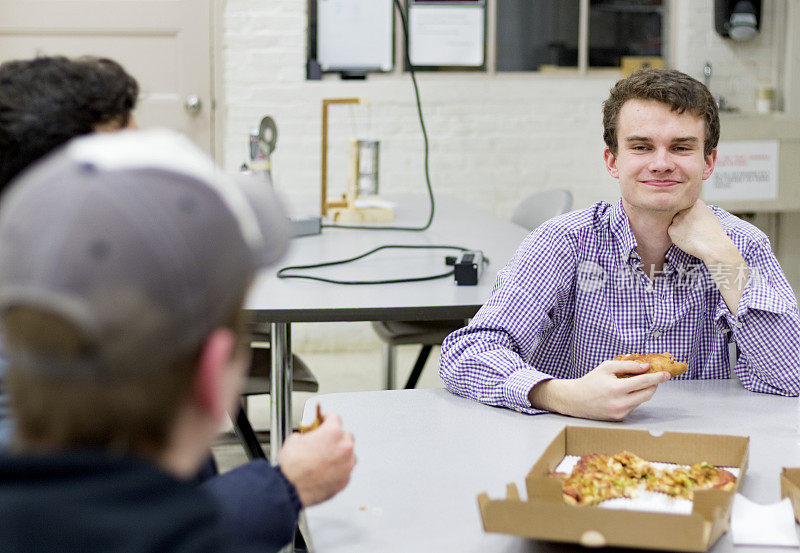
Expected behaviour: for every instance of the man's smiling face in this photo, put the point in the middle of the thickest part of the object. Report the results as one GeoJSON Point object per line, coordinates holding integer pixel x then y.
{"type": "Point", "coordinates": [660, 162]}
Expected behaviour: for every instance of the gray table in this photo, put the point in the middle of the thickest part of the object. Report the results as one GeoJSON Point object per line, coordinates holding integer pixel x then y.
{"type": "Point", "coordinates": [425, 455]}
{"type": "Point", "coordinates": [281, 302]}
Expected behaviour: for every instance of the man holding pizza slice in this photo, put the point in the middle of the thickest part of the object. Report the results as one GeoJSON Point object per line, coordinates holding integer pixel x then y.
{"type": "Point", "coordinates": [658, 271]}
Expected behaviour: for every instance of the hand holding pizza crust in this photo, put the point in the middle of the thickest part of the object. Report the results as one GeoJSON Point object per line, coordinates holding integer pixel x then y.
{"type": "Point", "coordinates": [659, 362]}
{"type": "Point", "coordinates": [318, 463]}
{"type": "Point", "coordinates": [600, 394]}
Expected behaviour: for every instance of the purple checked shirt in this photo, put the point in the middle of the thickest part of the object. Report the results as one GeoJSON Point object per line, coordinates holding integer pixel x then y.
{"type": "Point", "coordinates": [574, 295]}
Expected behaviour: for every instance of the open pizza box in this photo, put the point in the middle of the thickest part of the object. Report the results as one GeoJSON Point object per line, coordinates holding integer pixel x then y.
{"type": "Point", "coordinates": [790, 487]}
{"type": "Point", "coordinates": [545, 515]}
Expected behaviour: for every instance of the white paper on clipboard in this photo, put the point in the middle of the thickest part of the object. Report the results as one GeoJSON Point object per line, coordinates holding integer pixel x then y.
{"type": "Point", "coordinates": [355, 34]}
{"type": "Point", "coordinates": [446, 35]}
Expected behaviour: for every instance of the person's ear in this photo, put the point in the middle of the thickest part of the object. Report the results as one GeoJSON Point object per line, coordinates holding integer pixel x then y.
{"type": "Point", "coordinates": [611, 162]}
{"type": "Point", "coordinates": [211, 388]}
{"type": "Point", "coordinates": [710, 162]}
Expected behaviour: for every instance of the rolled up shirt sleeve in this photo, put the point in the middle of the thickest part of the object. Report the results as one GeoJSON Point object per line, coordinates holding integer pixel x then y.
{"type": "Point", "coordinates": [766, 327]}
{"type": "Point", "coordinates": [487, 359]}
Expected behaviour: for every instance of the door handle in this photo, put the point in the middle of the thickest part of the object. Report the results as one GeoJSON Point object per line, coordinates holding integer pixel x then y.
{"type": "Point", "coordinates": [192, 104]}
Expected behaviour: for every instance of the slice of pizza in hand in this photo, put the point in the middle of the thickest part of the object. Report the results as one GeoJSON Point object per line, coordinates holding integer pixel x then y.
{"type": "Point", "coordinates": [314, 424]}
{"type": "Point", "coordinates": [659, 362]}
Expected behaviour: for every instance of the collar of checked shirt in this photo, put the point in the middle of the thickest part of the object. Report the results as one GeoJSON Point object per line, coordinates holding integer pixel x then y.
{"type": "Point", "coordinates": [626, 244]}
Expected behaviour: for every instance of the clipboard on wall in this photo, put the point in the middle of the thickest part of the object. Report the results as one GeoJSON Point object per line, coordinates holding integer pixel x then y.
{"type": "Point", "coordinates": [351, 37]}
{"type": "Point", "coordinates": [447, 34]}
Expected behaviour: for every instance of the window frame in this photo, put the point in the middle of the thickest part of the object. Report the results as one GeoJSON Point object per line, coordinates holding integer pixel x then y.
{"type": "Point", "coordinates": [582, 70]}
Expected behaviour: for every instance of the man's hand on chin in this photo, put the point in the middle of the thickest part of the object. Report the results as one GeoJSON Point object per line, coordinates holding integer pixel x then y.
{"type": "Point", "coordinates": [698, 232]}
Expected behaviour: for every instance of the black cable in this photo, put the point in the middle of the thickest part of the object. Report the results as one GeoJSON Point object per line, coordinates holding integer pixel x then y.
{"type": "Point", "coordinates": [282, 272]}
{"type": "Point", "coordinates": [424, 136]}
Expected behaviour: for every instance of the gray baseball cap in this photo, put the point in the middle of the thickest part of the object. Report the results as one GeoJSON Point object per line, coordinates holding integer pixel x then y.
{"type": "Point", "coordinates": [138, 240]}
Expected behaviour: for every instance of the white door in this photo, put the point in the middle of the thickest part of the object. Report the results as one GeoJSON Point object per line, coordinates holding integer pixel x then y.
{"type": "Point", "coordinates": [165, 44]}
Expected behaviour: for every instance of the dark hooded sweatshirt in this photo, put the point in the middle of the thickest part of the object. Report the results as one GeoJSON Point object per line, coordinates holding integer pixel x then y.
{"type": "Point", "coordinates": [87, 501]}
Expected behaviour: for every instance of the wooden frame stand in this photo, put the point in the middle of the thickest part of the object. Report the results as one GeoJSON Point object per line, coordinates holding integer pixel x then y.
{"type": "Point", "coordinates": [327, 204]}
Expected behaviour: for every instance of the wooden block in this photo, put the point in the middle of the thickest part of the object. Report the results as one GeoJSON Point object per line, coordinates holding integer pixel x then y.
{"type": "Point", "coordinates": [634, 63]}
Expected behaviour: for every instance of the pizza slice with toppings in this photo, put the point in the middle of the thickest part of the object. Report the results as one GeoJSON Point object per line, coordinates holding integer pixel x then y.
{"type": "Point", "coordinates": [597, 478]}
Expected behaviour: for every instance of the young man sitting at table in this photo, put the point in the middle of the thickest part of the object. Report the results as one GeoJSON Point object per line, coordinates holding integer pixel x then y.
{"type": "Point", "coordinates": [658, 271]}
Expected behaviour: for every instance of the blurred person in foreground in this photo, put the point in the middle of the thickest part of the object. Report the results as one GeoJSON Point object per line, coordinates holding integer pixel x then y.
{"type": "Point", "coordinates": [44, 103]}
{"type": "Point", "coordinates": [124, 334]}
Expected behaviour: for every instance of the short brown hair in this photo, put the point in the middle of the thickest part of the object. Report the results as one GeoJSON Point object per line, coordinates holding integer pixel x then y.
{"type": "Point", "coordinates": [125, 414]}
{"type": "Point", "coordinates": [677, 90]}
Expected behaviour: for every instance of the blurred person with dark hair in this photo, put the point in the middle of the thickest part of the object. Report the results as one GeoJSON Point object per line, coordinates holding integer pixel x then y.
{"type": "Point", "coordinates": [46, 101]}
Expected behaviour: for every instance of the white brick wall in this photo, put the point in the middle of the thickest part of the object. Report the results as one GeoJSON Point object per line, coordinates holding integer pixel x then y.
{"type": "Point", "coordinates": [493, 139]}
{"type": "Point", "coordinates": [738, 67]}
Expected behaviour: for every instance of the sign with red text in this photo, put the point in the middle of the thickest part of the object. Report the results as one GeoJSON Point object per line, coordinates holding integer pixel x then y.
{"type": "Point", "coordinates": [745, 170]}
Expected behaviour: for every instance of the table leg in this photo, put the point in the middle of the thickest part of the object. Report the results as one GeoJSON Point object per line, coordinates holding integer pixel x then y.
{"type": "Point", "coordinates": [389, 354]}
{"type": "Point", "coordinates": [281, 386]}
{"type": "Point", "coordinates": [288, 388]}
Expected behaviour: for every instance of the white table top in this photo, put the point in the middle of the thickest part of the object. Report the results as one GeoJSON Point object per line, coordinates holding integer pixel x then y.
{"type": "Point", "coordinates": [456, 223]}
{"type": "Point", "coordinates": [425, 455]}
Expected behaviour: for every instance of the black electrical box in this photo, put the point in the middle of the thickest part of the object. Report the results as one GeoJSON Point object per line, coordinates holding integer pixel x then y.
{"type": "Point", "coordinates": [468, 268]}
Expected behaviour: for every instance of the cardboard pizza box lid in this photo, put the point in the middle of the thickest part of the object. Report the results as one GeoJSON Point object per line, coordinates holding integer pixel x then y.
{"type": "Point", "coordinates": [790, 487]}
{"type": "Point", "coordinates": [545, 516]}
